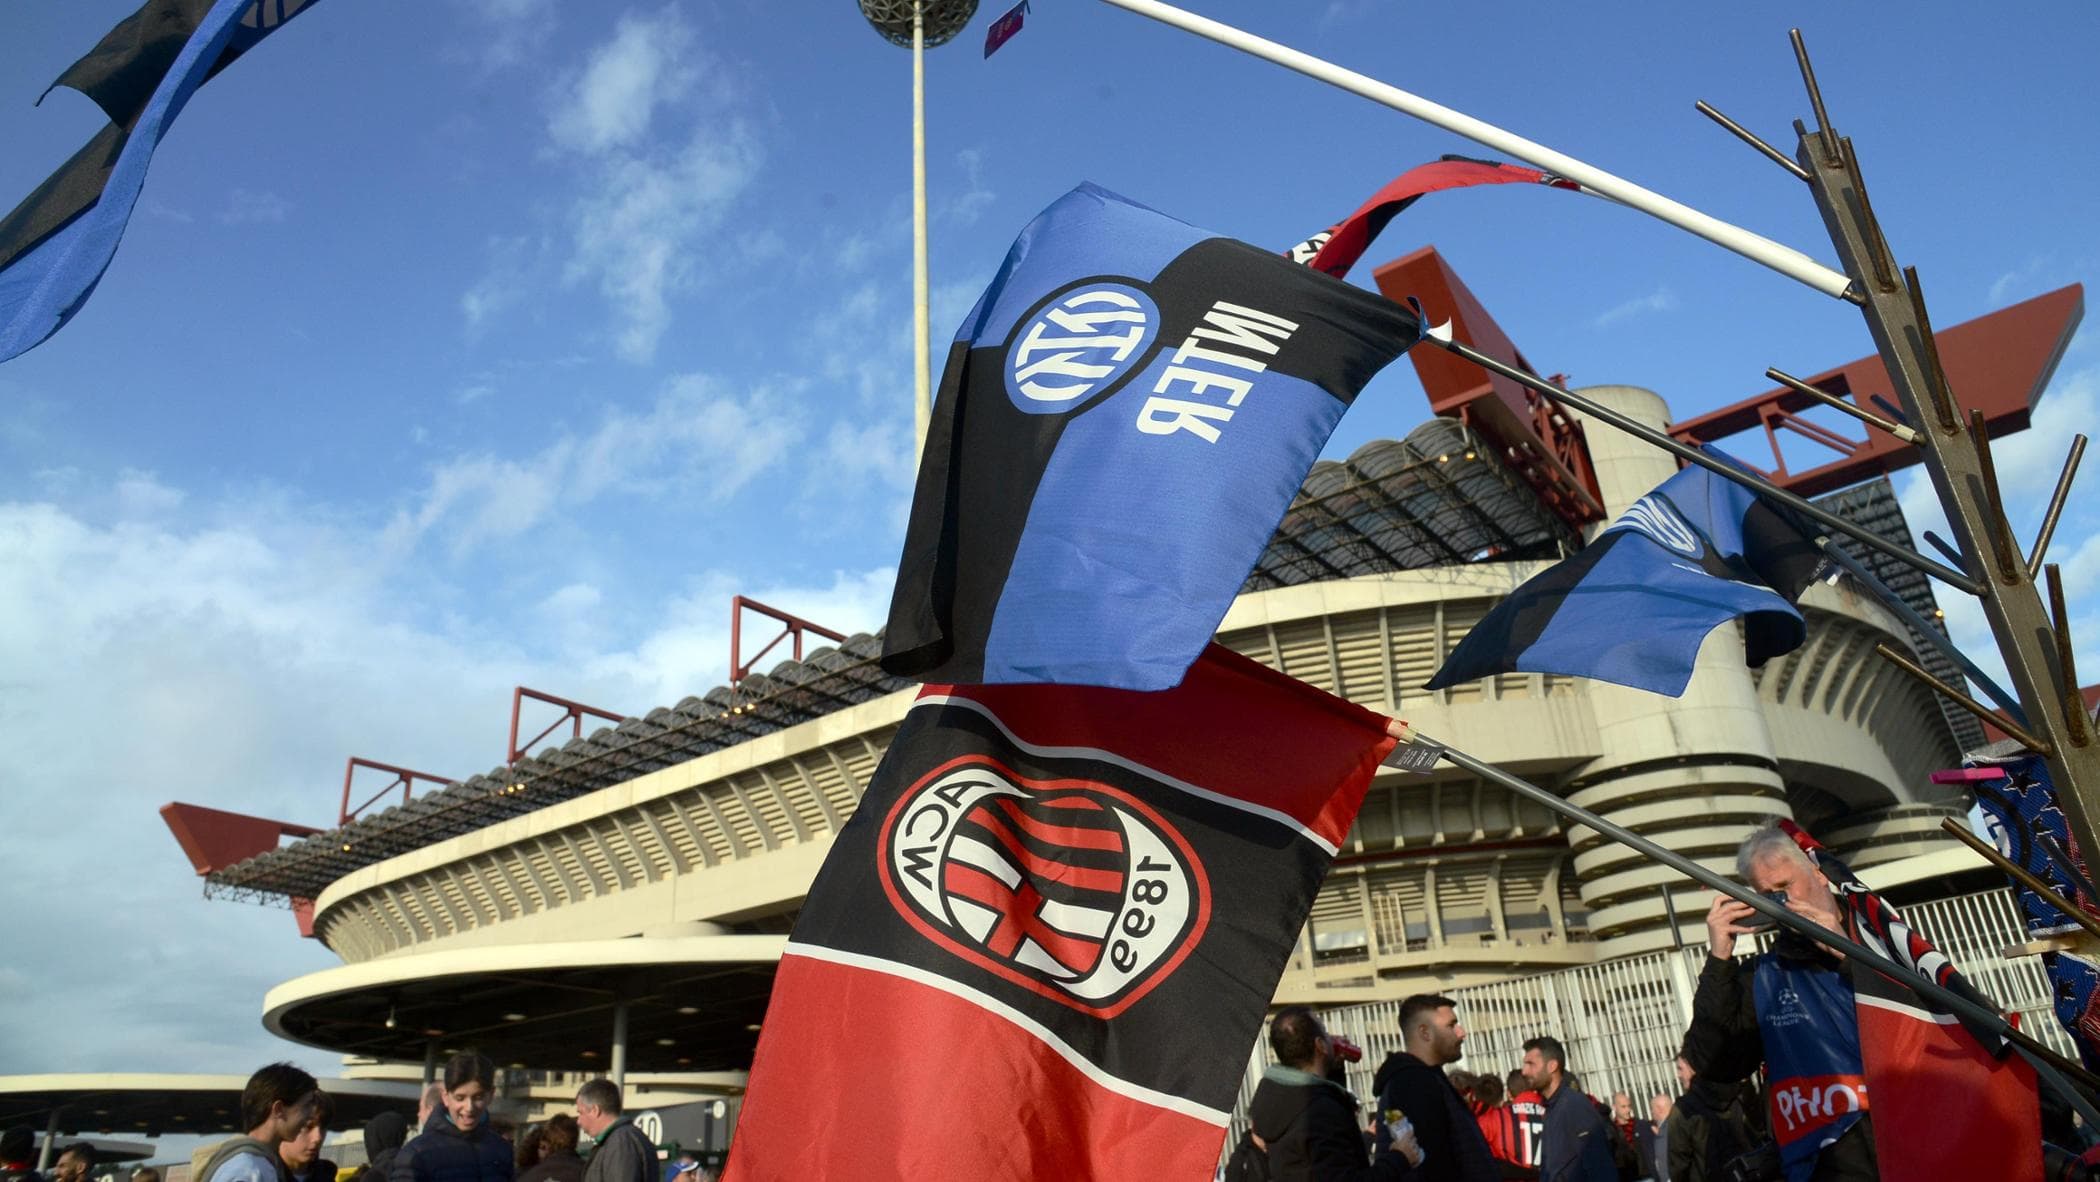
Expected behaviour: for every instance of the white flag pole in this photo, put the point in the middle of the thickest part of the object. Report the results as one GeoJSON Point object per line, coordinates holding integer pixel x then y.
{"type": "Point", "coordinates": [1755, 247]}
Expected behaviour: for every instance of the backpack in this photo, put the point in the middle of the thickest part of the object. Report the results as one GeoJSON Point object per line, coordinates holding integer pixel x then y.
{"type": "Point", "coordinates": [1249, 1162]}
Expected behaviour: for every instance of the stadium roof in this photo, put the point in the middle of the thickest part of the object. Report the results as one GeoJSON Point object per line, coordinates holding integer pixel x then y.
{"type": "Point", "coordinates": [1438, 497]}
{"type": "Point", "coordinates": [694, 1002]}
{"type": "Point", "coordinates": [154, 1105]}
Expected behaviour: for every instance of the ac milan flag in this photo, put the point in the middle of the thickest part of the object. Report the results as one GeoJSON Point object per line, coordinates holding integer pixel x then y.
{"type": "Point", "coordinates": [1044, 942]}
{"type": "Point", "coordinates": [1917, 1058]}
{"type": "Point", "coordinates": [1123, 420]}
{"type": "Point", "coordinates": [1336, 249]}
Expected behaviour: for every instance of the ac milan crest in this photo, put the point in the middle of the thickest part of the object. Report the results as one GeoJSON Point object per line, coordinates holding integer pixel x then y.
{"type": "Point", "coordinates": [1072, 888]}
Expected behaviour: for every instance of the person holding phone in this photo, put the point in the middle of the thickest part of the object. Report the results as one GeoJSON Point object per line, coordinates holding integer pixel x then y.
{"type": "Point", "coordinates": [1790, 1010]}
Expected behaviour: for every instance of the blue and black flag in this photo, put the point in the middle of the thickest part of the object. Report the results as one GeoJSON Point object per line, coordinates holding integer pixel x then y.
{"type": "Point", "coordinates": [1123, 420]}
{"type": "Point", "coordinates": [56, 244]}
{"type": "Point", "coordinates": [1633, 607]}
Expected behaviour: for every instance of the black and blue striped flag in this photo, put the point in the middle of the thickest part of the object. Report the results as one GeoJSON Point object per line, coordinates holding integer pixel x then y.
{"type": "Point", "coordinates": [56, 244]}
{"type": "Point", "coordinates": [1123, 420]}
{"type": "Point", "coordinates": [1633, 607]}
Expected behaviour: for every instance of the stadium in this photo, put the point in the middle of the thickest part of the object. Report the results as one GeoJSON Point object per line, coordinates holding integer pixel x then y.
{"type": "Point", "coordinates": [617, 904]}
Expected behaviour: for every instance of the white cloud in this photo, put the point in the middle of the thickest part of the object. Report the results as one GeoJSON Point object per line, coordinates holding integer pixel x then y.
{"type": "Point", "coordinates": [609, 104]}
{"type": "Point", "coordinates": [233, 658]}
{"type": "Point", "coordinates": [691, 645]}
{"type": "Point", "coordinates": [2028, 463]}
{"type": "Point", "coordinates": [516, 30]}
{"type": "Point", "coordinates": [140, 494]}
{"type": "Point", "coordinates": [247, 206]}
{"type": "Point", "coordinates": [965, 206]}
{"type": "Point", "coordinates": [695, 437]}
{"type": "Point", "coordinates": [513, 262]}
{"type": "Point", "coordinates": [638, 232]}
{"type": "Point", "coordinates": [1662, 299]}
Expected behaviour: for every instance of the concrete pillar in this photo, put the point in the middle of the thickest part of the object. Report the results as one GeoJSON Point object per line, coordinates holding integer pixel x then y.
{"type": "Point", "coordinates": [49, 1153]}
{"type": "Point", "coordinates": [430, 1063]}
{"type": "Point", "coordinates": [619, 1047]}
{"type": "Point", "coordinates": [1694, 774]}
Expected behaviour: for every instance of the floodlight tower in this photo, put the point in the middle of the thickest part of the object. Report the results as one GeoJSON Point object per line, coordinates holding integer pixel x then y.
{"type": "Point", "coordinates": [920, 24]}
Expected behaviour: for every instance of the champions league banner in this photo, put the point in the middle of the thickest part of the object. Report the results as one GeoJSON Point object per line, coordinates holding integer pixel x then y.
{"type": "Point", "coordinates": [1046, 938]}
{"type": "Point", "coordinates": [1123, 420]}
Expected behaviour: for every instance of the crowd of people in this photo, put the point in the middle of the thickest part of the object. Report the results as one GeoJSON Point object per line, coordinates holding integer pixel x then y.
{"type": "Point", "coordinates": [286, 1117]}
{"type": "Point", "coordinates": [1430, 1121]}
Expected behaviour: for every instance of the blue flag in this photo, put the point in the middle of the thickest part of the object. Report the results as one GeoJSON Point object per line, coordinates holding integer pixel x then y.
{"type": "Point", "coordinates": [1123, 420]}
{"type": "Point", "coordinates": [56, 244]}
{"type": "Point", "coordinates": [1633, 607]}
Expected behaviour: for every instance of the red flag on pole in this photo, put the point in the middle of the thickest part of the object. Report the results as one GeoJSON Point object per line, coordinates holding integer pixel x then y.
{"type": "Point", "coordinates": [1945, 1104]}
{"type": "Point", "coordinates": [1003, 29]}
{"type": "Point", "coordinates": [1044, 943]}
{"type": "Point", "coordinates": [1336, 249]}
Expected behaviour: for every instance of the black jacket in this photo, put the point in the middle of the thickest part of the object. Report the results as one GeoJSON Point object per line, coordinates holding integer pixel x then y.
{"type": "Point", "coordinates": [1576, 1146]}
{"type": "Point", "coordinates": [384, 1134]}
{"type": "Point", "coordinates": [556, 1167]}
{"type": "Point", "coordinates": [1310, 1126]}
{"type": "Point", "coordinates": [623, 1154]}
{"type": "Point", "coordinates": [441, 1153]}
{"type": "Point", "coordinates": [1453, 1147]}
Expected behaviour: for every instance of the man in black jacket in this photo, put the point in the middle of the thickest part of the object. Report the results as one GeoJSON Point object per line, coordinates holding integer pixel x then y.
{"type": "Point", "coordinates": [1576, 1146]}
{"type": "Point", "coordinates": [1412, 1082]}
{"type": "Point", "coordinates": [1307, 1122]}
{"type": "Point", "coordinates": [1797, 993]}
{"type": "Point", "coordinates": [622, 1153]}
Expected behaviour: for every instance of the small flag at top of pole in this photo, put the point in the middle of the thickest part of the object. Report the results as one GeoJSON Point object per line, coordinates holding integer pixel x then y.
{"type": "Point", "coordinates": [1003, 29]}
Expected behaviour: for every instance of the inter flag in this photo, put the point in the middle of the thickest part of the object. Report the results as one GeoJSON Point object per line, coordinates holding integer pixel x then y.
{"type": "Point", "coordinates": [1634, 605]}
{"type": "Point", "coordinates": [1044, 942]}
{"type": "Point", "coordinates": [1338, 247]}
{"type": "Point", "coordinates": [1123, 420]}
{"type": "Point", "coordinates": [1002, 30]}
{"type": "Point", "coordinates": [56, 244]}
{"type": "Point", "coordinates": [1917, 1057]}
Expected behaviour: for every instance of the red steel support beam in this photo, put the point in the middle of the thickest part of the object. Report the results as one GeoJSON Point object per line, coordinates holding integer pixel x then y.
{"type": "Point", "coordinates": [573, 713]}
{"type": "Point", "coordinates": [214, 839]}
{"type": "Point", "coordinates": [1998, 363]}
{"type": "Point", "coordinates": [404, 778]}
{"type": "Point", "coordinates": [1537, 441]}
{"type": "Point", "coordinates": [795, 627]}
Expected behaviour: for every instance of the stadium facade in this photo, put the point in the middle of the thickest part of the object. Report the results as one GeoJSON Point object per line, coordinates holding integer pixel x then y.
{"type": "Point", "coordinates": [503, 911]}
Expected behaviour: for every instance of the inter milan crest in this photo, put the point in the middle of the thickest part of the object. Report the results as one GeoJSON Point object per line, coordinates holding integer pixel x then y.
{"type": "Point", "coordinates": [1080, 342]}
{"type": "Point", "coordinates": [1072, 888]}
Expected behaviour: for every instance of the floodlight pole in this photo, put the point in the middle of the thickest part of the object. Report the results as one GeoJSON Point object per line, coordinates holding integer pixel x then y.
{"type": "Point", "coordinates": [1957, 455]}
{"type": "Point", "coordinates": [922, 373]}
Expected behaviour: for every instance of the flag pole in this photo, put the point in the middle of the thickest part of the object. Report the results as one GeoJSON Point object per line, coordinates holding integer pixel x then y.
{"type": "Point", "coordinates": [1755, 247]}
{"type": "Point", "coordinates": [1692, 455]}
{"type": "Point", "coordinates": [1922, 627]}
{"type": "Point", "coordinates": [922, 365]}
{"type": "Point", "coordinates": [1958, 459]}
{"type": "Point", "coordinates": [2047, 1064]}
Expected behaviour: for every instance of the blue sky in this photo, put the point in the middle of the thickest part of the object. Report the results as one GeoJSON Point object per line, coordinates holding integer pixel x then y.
{"type": "Point", "coordinates": [461, 346]}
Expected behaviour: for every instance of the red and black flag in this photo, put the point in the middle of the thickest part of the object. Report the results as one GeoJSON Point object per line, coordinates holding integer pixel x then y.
{"type": "Point", "coordinates": [1946, 1103]}
{"type": "Point", "coordinates": [1336, 249]}
{"type": "Point", "coordinates": [1044, 943]}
